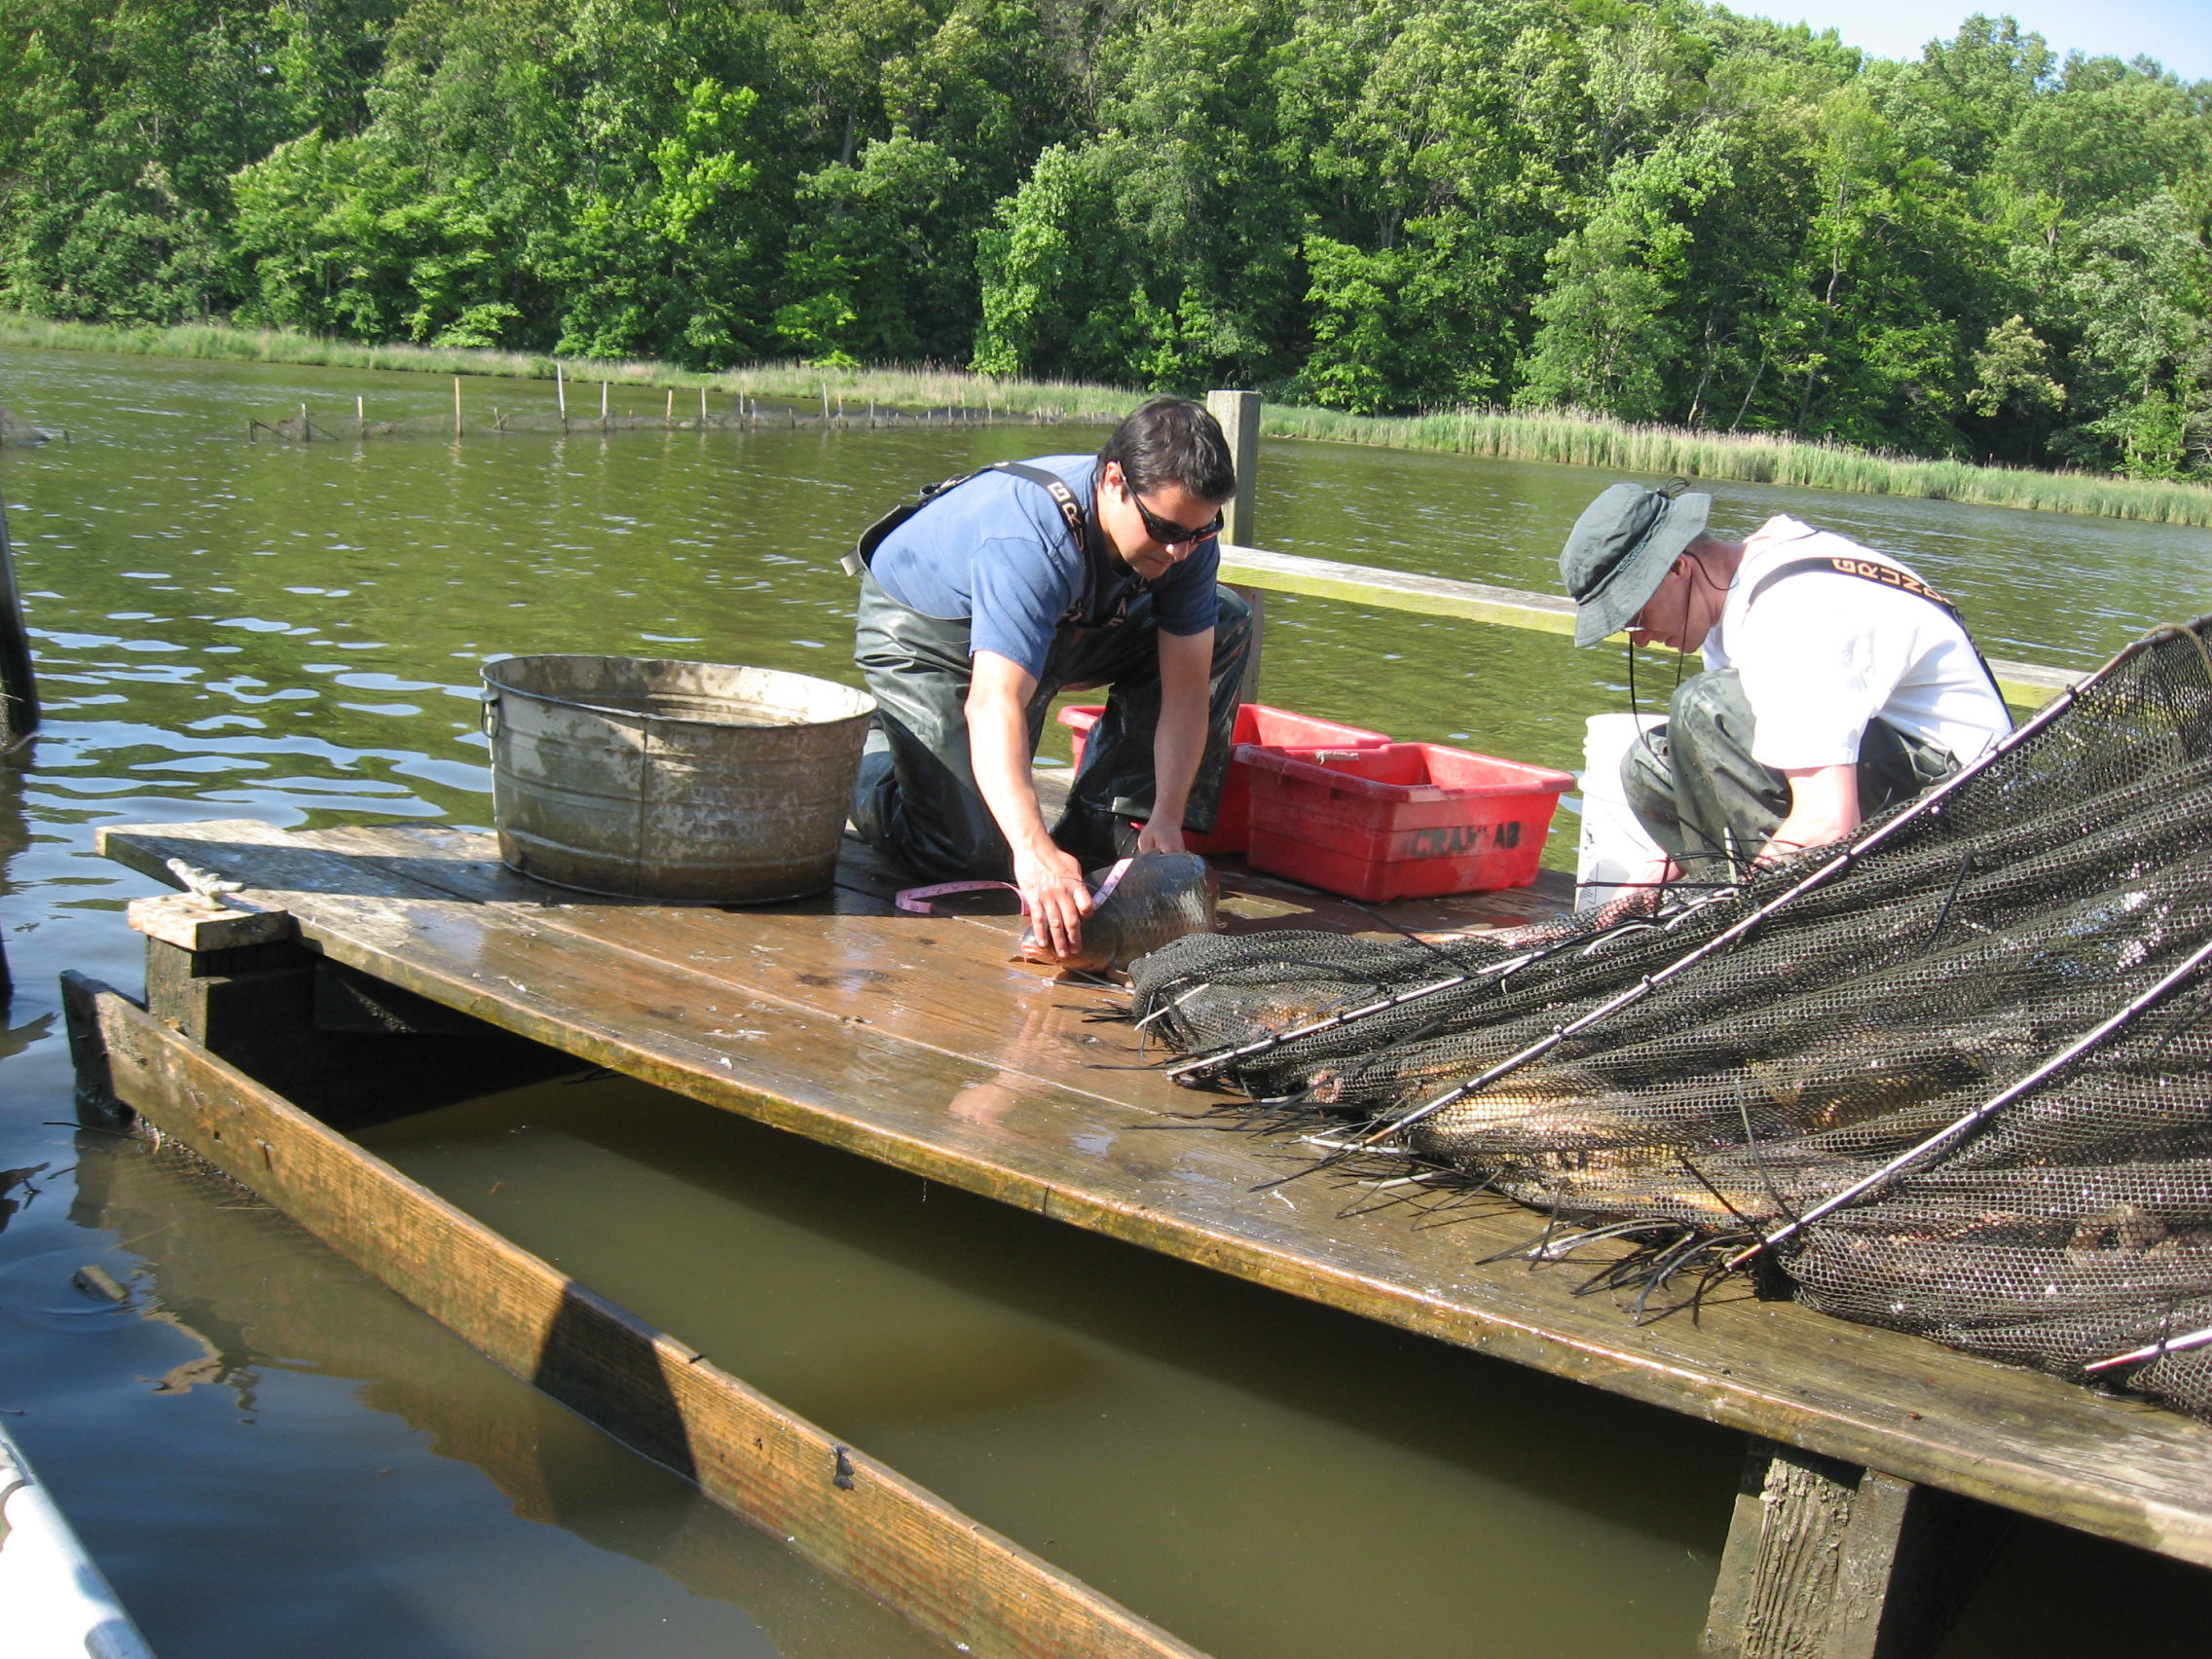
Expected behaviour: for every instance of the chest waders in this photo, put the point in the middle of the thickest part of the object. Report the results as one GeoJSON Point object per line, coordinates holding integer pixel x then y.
{"type": "Point", "coordinates": [917, 799]}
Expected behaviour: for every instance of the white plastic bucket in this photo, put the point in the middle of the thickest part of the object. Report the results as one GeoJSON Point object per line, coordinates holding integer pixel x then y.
{"type": "Point", "coordinates": [1614, 844]}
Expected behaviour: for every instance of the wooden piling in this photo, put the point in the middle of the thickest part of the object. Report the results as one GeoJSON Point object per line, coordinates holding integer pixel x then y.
{"type": "Point", "coordinates": [668, 415]}
{"type": "Point", "coordinates": [603, 403]}
{"type": "Point", "coordinates": [456, 406]}
{"type": "Point", "coordinates": [561, 392]}
{"type": "Point", "coordinates": [18, 689]}
{"type": "Point", "coordinates": [360, 416]}
{"type": "Point", "coordinates": [1239, 413]}
{"type": "Point", "coordinates": [1825, 1559]}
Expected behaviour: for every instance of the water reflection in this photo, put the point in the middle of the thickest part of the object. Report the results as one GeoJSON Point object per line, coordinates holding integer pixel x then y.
{"type": "Point", "coordinates": [232, 1277]}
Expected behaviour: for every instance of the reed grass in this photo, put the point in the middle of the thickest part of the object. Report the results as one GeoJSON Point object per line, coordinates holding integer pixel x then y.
{"type": "Point", "coordinates": [1579, 439]}
{"type": "Point", "coordinates": [1568, 436]}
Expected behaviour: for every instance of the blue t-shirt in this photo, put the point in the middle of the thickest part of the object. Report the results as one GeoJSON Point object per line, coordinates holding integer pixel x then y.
{"type": "Point", "coordinates": [997, 551]}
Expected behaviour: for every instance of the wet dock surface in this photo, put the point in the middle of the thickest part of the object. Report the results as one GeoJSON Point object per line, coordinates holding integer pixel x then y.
{"type": "Point", "coordinates": [913, 1040]}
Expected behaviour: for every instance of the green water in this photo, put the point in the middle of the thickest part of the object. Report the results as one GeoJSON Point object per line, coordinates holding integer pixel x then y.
{"type": "Point", "coordinates": [292, 633]}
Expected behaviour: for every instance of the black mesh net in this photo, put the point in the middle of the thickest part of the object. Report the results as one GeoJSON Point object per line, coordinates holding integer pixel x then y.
{"type": "Point", "coordinates": [19, 432]}
{"type": "Point", "coordinates": [1981, 1022]}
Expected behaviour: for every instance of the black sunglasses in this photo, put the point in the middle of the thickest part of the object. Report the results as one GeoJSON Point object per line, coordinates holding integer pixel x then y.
{"type": "Point", "coordinates": [1166, 532]}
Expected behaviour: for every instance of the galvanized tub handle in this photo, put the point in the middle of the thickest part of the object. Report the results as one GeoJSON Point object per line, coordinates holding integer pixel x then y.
{"type": "Point", "coordinates": [490, 707]}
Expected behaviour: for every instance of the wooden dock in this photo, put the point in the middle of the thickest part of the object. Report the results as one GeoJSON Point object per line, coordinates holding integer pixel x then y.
{"type": "Point", "coordinates": [913, 1040]}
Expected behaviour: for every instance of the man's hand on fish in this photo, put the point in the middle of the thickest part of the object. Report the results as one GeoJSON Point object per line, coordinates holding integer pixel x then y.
{"type": "Point", "coordinates": [1157, 836]}
{"type": "Point", "coordinates": [1052, 884]}
{"type": "Point", "coordinates": [1056, 894]}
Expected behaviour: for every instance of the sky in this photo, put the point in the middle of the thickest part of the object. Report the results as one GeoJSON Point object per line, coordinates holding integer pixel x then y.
{"type": "Point", "coordinates": [2178, 33]}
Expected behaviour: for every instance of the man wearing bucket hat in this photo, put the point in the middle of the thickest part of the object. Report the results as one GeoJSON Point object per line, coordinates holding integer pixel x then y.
{"type": "Point", "coordinates": [1001, 588]}
{"type": "Point", "coordinates": [1837, 682]}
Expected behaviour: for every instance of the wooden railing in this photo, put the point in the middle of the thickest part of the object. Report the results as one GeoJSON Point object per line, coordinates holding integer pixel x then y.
{"type": "Point", "coordinates": [1255, 572]}
{"type": "Point", "coordinates": [2024, 685]}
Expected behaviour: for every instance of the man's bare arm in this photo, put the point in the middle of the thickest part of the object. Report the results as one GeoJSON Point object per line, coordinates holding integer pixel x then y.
{"type": "Point", "coordinates": [1824, 807]}
{"type": "Point", "coordinates": [1179, 741]}
{"type": "Point", "coordinates": [998, 690]}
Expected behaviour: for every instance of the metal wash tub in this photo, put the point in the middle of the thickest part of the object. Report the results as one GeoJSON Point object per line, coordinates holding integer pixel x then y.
{"type": "Point", "coordinates": [689, 781]}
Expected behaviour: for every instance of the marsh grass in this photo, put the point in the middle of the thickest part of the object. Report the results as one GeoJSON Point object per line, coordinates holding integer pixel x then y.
{"type": "Point", "coordinates": [1566, 436]}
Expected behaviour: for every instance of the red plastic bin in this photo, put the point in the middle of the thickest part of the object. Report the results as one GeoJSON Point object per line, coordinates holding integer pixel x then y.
{"type": "Point", "coordinates": [1410, 821]}
{"type": "Point", "coordinates": [1256, 722]}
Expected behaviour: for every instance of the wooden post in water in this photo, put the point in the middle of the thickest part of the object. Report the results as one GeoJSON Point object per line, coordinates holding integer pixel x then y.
{"type": "Point", "coordinates": [19, 690]}
{"type": "Point", "coordinates": [456, 406]}
{"type": "Point", "coordinates": [1828, 1561]}
{"type": "Point", "coordinates": [561, 392]}
{"type": "Point", "coordinates": [603, 403]}
{"type": "Point", "coordinates": [307, 431]}
{"type": "Point", "coordinates": [702, 408]}
{"type": "Point", "coordinates": [1239, 413]}
{"type": "Point", "coordinates": [360, 416]}
{"type": "Point", "coordinates": [668, 415]}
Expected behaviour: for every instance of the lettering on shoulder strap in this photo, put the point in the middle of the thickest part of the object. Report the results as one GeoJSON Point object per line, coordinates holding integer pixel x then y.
{"type": "Point", "coordinates": [1054, 484]}
{"type": "Point", "coordinates": [1865, 569]}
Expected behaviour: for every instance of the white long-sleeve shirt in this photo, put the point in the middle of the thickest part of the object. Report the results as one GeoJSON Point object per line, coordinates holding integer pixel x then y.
{"type": "Point", "coordinates": [1822, 653]}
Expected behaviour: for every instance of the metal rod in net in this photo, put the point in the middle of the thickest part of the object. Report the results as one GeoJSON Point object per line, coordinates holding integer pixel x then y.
{"type": "Point", "coordinates": [1819, 877]}
{"type": "Point", "coordinates": [2066, 1056]}
{"type": "Point", "coordinates": [2155, 1350]}
{"type": "Point", "coordinates": [1277, 1039]}
{"type": "Point", "coordinates": [1399, 999]}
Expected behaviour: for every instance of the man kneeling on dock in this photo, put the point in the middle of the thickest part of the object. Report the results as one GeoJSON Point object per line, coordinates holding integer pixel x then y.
{"type": "Point", "coordinates": [1837, 682]}
{"type": "Point", "coordinates": [1001, 590]}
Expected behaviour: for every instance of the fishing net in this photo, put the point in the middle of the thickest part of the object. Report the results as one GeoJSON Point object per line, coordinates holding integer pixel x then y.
{"type": "Point", "coordinates": [327, 427]}
{"type": "Point", "coordinates": [1954, 1077]}
{"type": "Point", "coordinates": [20, 433]}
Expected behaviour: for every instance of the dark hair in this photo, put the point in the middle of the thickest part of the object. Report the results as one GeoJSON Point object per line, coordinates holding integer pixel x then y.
{"type": "Point", "coordinates": [1171, 440]}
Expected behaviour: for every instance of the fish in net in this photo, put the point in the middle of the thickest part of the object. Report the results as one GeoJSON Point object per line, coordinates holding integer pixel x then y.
{"type": "Point", "coordinates": [1953, 1076]}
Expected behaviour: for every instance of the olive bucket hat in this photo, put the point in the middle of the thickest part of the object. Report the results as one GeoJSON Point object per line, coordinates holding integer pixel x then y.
{"type": "Point", "coordinates": [1622, 547]}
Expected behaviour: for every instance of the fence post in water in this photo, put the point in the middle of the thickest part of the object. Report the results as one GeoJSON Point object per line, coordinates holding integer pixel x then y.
{"type": "Point", "coordinates": [19, 691]}
{"type": "Point", "coordinates": [561, 392]}
{"type": "Point", "coordinates": [1239, 413]}
{"type": "Point", "coordinates": [456, 406]}
{"type": "Point", "coordinates": [360, 416]}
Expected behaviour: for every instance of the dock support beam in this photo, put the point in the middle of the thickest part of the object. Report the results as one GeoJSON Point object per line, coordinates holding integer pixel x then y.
{"type": "Point", "coordinates": [316, 1032]}
{"type": "Point", "coordinates": [1239, 413]}
{"type": "Point", "coordinates": [946, 1572]}
{"type": "Point", "coordinates": [1828, 1561]}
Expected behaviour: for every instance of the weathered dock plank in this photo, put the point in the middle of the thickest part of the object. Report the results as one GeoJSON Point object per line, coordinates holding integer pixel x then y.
{"type": "Point", "coordinates": [912, 1041]}
{"type": "Point", "coordinates": [864, 1521]}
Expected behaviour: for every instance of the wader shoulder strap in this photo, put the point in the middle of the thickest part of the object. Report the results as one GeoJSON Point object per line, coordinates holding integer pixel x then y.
{"type": "Point", "coordinates": [1112, 584]}
{"type": "Point", "coordinates": [1865, 569]}
{"type": "Point", "coordinates": [1881, 576]}
{"type": "Point", "coordinates": [862, 554]}
{"type": "Point", "coordinates": [1056, 486]}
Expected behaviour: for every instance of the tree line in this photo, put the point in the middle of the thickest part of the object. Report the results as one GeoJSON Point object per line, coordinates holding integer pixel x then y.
{"type": "Point", "coordinates": [1653, 210]}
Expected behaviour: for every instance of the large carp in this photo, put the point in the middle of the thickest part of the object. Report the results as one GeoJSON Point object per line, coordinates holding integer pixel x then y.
{"type": "Point", "coordinates": [1158, 897]}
